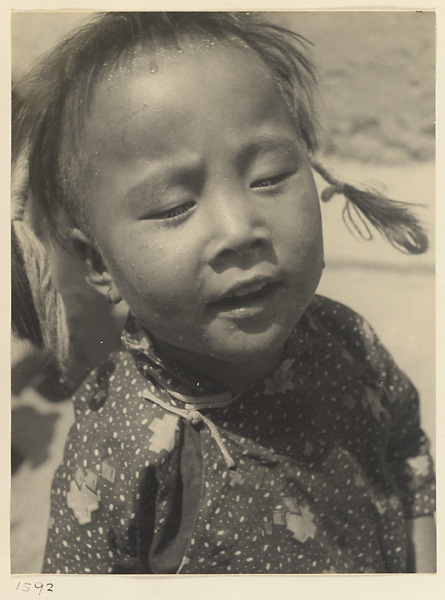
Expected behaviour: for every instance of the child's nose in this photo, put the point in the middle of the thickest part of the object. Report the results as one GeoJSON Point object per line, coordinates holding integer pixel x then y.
{"type": "Point", "coordinates": [238, 229]}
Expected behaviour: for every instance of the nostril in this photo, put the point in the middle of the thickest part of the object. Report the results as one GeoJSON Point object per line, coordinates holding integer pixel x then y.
{"type": "Point", "coordinates": [224, 255]}
{"type": "Point", "coordinates": [256, 246]}
{"type": "Point", "coordinates": [245, 254]}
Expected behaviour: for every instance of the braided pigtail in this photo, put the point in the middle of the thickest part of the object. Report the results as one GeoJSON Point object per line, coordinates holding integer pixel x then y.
{"type": "Point", "coordinates": [367, 206]}
{"type": "Point", "coordinates": [38, 312]}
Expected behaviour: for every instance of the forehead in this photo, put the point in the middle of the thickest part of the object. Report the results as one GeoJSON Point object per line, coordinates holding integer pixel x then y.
{"type": "Point", "coordinates": [191, 56]}
{"type": "Point", "coordinates": [209, 78]}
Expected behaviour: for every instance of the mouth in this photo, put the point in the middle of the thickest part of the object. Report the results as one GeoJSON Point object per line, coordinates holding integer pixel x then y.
{"type": "Point", "coordinates": [247, 300]}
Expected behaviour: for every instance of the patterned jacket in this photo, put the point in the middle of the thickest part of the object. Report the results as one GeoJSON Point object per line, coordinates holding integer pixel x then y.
{"type": "Point", "coordinates": [313, 470]}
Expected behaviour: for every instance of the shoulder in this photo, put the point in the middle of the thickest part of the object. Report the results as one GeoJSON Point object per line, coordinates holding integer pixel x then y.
{"type": "Point", "coordinates": [346, 332]}
{"type": "Point", "coordinates": [335, 314]}
{"type": "Point", "coordinates": [344, 325]}
{"type": "Point", "coordinates": [118, 375]}
{"type": "Point", "coordinates": [110, 407]}
{"type": "Point", "coordinates": [341, 326]}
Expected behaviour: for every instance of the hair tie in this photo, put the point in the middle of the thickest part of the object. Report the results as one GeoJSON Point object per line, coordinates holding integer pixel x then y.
{"type": "Point", "coordinates": [332, 190]}
{"type": "Point", "coordinates": [337, 186]}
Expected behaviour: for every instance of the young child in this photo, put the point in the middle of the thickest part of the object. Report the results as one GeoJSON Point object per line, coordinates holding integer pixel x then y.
{"type": "Point", "coordinates": [246, 425]}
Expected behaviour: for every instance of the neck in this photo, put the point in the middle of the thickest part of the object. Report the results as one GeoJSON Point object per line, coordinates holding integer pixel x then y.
{"type": "Point", "coordinates": [232, 376]}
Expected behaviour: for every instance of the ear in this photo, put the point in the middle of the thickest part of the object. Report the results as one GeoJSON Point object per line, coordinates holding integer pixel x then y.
{"type": "Point", "coordinates": [96, 272]}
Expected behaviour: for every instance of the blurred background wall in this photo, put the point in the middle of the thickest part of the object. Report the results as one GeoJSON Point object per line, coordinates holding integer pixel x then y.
{"type": "Point", "coordinates": [377, 81]}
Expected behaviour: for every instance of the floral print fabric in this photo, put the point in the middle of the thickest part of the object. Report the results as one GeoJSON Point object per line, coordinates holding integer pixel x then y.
{"type": "Point", "coordinates": [328, 463]}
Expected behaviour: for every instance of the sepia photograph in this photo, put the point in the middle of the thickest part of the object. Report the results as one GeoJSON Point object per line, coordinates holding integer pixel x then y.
{"type": "Point", "coordinates": [223, 292]}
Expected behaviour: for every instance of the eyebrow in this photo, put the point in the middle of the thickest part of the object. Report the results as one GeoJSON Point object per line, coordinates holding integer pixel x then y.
{"type": "Point", "coordinates": [185, 170]}
{"type": "Point", "coordinates": [160, 172]}
{"type": "Point", "coordinates": [263, 145]}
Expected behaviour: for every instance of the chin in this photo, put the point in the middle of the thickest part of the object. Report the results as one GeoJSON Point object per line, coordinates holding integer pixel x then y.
{"type": "Point", "coordinates": [245, 347]}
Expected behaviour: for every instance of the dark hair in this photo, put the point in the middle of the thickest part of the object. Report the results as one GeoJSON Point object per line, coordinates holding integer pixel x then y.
{"type": "Point", "coordinates": [50, 106]}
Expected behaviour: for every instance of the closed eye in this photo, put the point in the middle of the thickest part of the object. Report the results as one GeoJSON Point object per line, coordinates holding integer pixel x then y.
{"type": "Point", "coordinates": [172, 213]}
{"type": "Point", "coordinates": [271, 181]}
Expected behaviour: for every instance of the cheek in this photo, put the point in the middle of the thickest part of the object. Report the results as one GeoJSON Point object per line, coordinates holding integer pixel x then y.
{"type": "Point", "coordinates": [300, 230]}
{"type": "Point", "coordinates": [154, 279]}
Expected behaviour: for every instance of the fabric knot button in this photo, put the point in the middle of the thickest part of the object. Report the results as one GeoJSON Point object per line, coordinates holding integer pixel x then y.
{"type": "Point", "coordinates": [194, 417]}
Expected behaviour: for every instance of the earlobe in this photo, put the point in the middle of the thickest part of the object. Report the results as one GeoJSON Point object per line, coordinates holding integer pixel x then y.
{"type": "Point", "coordinates": [95, 269]}
{"type": "Point", "coordinates": [113, 295]}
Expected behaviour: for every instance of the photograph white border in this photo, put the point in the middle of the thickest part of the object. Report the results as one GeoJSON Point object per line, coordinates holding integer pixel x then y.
{"type": "Point", "coordinates": [67, 587]}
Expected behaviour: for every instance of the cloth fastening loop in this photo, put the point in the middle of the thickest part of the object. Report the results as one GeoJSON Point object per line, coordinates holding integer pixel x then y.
{"type": "Point", "coordinates": [194, 417]}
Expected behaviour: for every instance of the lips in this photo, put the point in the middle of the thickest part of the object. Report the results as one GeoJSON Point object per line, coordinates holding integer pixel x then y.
{"type": "Point", "coordinates": [246, 298]}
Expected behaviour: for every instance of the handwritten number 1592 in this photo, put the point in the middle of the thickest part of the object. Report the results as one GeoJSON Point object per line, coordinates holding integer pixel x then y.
{"type": "Point", "coordinates": [29, 587]}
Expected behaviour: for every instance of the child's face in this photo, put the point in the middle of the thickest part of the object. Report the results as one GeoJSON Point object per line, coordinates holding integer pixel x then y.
{"type": "Point", "coordinates": [203, 202]}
